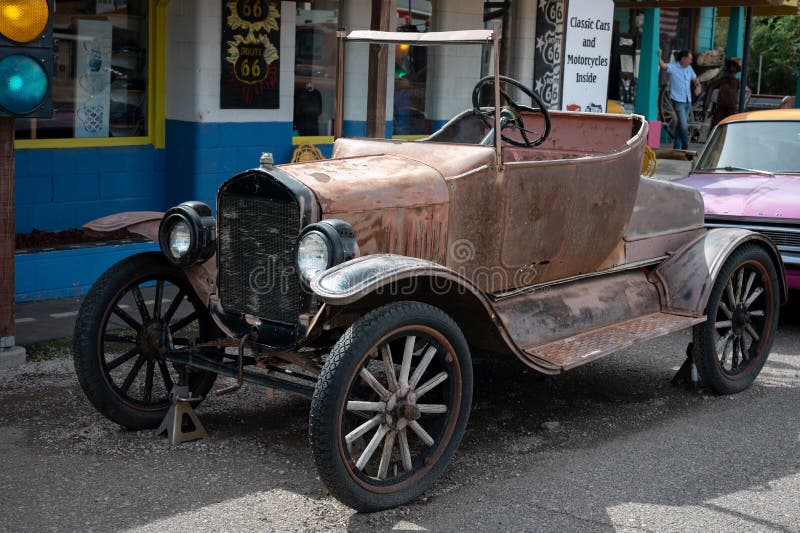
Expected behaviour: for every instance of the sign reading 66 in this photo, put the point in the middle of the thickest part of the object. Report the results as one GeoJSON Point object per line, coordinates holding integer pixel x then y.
{"type": "Point", "coordinates": [250, 66]}
{"type": "Point", "coordinates": [251, 58]}
{"type": "Point", "coordinates": [252, 10]}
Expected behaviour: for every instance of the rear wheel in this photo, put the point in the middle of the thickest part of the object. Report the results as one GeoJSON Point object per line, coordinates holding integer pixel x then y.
{"type": "Point", "coordinates": [732, 346]}
{"type": "Point", "coordinates": [391, 405]}
{"type": "Point", "coordinates": [119, 331]}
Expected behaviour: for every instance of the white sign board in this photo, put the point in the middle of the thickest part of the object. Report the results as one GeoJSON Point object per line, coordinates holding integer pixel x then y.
{"type": "Point", "coordinates": [587, 55]}
{"type": "Point", "coordinates": [92, 78]}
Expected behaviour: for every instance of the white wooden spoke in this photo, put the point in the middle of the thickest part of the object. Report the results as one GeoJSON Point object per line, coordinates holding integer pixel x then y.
{"type": "Point", "coordinates": [379, 407]}
{"type": "Point", "coordinates": [369, 451]}
{"type": "Point", "coordinates": [386, 456]}
{"type": "Point", "coordinates": [432, 408]}
{"type": "Point", "coordinates": [723, 324]}
{"type": "Point", "coordinates": [405, 451]}
{"type": "Point", "coordinates": [725, 348]}
{"type": "Point", "coordinates": [374, 384]}
{"type": "Point", "coordinates": [724, 339]}
{"type": "Point", "coordinates": [422, 367]}
{"type": "Point", "coordinates": [421, 433]}
{"type": "Point", "coordinates": [405, 367]}
{"type": "Point", "coordinates": [746, 349]}
{"type": "Point", "coordinates": [751, 330]}
{"type": "Point", "coordinates": [431, 383]}
{"type": "Point", "coordinates": [363, 428]}
{"type": "Point", "coordinates": [735, 356]}
{"type": "Point", "coordinates": [757, 312]}
{"type": "Point", "coordinates": [747, 287]}
{"type": "Point", "coordinates": [388, 367]}
{"type": "Point", "coordinates": [739, 283]}
{"type": "Point", "coordinates": [756, 294]}
{"type": "Point", "coordinates": [725, 309]}
{"type": "Point", "coordinates": [731, 296]}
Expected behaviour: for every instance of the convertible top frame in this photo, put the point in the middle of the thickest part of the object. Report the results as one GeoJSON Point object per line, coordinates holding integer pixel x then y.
{"type": "Point", "coordinates": [487, 37]}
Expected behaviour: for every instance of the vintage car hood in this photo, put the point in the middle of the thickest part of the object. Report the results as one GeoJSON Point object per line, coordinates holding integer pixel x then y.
{"type": "Point", "coordinates": [370, 182]}
{"type": "Point", "coordinates": [748, 194]}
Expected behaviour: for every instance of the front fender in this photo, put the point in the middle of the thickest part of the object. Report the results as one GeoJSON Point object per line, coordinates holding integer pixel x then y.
{"type": "Point", "coordinates": [686, 278]}
{"type": "Point", "coordinates": [354, 279]}
{"type": "Point", "coordinates": [202, 276]}
{"type": "Point", "coordinates": [144, 223]}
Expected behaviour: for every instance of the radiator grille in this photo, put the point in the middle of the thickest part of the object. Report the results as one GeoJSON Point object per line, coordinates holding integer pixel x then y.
{"type": "Point", "coordinates": [257, 246]}
{"type": "Point", "coordinates": [782, 236]}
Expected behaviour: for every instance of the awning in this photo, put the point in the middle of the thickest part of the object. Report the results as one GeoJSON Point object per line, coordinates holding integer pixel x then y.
{"type": "Point", "coordinates": [761, 7]}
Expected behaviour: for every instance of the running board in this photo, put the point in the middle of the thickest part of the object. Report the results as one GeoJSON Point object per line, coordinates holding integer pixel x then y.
{"type": "Point", "coordinates": [583, 348]}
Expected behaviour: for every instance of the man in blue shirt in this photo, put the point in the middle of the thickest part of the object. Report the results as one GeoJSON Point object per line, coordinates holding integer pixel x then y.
{"type": "Point", "coordinates": [681, 79]}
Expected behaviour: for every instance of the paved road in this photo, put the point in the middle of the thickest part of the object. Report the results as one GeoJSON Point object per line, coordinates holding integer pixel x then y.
{"type": "Point", "coordinates": [630, 453]}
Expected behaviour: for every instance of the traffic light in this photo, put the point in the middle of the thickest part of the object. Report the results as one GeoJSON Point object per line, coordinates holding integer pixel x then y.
{"type": "Point", "coordinates": [26, 58]}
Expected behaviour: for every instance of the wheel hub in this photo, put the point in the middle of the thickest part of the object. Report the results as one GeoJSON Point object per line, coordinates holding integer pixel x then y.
{"type": "Point", "coordinates": [741, 318]}
{"type": "Point", "coordinates": [401, 408]}
{"type": "Point", "coordinates": [150, 338]}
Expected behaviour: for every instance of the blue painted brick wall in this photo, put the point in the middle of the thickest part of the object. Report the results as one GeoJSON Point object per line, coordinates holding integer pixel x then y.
{"type": "Point", "coordinates": [201, 156]}
{"type": "Point", "coordinates": [57, 189]}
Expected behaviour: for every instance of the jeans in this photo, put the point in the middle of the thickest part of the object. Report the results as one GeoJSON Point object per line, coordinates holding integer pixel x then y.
{"type": "Point", "coordinates": [682, 110]}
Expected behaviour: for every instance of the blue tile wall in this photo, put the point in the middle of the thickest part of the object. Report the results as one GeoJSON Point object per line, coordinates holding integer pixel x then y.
{"type": "Point", "coordinates": [201, 156]}
{"type": "Point", "coordinates": [57, 189]}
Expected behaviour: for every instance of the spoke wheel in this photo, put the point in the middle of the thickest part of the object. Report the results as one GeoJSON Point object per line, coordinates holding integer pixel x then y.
{"type": "Point", "coordinates": [733, 345]}
{"type": "Point", "coordinates": [122, 324]}
{"type": "Point", "coordinates": [391, 405]}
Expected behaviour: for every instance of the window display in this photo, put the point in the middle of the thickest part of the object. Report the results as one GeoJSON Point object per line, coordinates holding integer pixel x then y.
{"type": "Point", "coordinates": [100, 75]}
{"type": "Point", "coordinates": [315, 67]}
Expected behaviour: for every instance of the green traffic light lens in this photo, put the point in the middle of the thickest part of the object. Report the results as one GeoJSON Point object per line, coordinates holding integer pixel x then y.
{"type": "Point", "coordinates": [23, 84]}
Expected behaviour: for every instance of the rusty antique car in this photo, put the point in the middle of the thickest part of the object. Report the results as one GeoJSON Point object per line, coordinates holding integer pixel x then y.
{"type": "Point", "coordinates": [368, 281]}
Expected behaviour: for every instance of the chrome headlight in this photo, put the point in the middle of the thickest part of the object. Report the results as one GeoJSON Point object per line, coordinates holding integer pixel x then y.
{"type": "Point", "coordinates": [323, 245]}
{"type": "Point", "coordinates": [187, 234]}
{"type": "Point", "coordinates": [313, 255]}
{"type": "Point", "coordinates": [180, 239]}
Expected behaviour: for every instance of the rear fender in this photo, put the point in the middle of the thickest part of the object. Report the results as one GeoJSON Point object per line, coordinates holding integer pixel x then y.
{"type": "Point", "coordinates": [146, 223]}
{"type": "Point", "coordinates": [370, 281]}
{"type": "Point", "coordinates": [686, 278]}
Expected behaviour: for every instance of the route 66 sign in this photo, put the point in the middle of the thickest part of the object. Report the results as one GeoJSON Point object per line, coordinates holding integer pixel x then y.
{"type": "Point", "coordinates": [250, 55]}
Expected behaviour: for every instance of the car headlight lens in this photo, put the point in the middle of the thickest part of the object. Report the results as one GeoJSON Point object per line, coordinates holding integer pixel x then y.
{"type": "Point", "coordinates": [313, 254]}
{"type": "Point", "coordinates": [187, 234]}
{"type": "Point", "coordinates": [180, 239]}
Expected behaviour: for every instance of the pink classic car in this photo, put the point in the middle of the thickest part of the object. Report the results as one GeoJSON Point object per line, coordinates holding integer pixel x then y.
{"type": "Point", "coordinates": [749, 176]}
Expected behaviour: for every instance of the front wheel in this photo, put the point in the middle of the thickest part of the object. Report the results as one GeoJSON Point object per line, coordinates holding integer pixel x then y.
{"type": "Point", "coordinates": [732, 346]}
{"type": "Point", "coordinates": [391, 405]}
{"type": "Point", "coordinates": [119, 332]}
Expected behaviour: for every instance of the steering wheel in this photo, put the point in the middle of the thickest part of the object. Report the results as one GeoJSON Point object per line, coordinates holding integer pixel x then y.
{"type": "Point", "coordinates": [515, 109]}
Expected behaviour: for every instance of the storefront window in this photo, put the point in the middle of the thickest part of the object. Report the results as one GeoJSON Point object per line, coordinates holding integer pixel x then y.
{"type": "Point", "coordinates": [315, 67]}
{"type": "Point", "coordinates": [100, 72]}
{"type": "Point", "coordinates": [410, 70]}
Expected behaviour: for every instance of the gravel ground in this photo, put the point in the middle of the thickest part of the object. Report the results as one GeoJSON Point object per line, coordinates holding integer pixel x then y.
{"type": "Point", "coordinates": [608, 446]}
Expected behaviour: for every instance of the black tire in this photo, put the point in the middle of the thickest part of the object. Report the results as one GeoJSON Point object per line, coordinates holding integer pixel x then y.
{"type": "Point", "coordinates": [382, 334]}
{"type": "Point", "coordinates": [97, 336]}
{"type": "Point", "coordinates": [737, 314]}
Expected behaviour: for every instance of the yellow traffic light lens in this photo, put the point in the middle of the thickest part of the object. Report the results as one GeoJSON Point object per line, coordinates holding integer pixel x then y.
{"type": "Point", "coordinates": [23, 21]}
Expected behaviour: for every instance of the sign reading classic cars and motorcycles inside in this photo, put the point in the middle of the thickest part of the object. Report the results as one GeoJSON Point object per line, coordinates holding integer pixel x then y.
{"type": "Point", "coordinates": [250, 54]}
{"type": "Point", "coordinates": [573, 53]}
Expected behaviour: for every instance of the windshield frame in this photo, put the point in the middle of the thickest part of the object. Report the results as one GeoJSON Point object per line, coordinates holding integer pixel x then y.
{"type": "Point", "coordinates": [711, 145]}
{"type": "Point", "coordinates": [471, 37]}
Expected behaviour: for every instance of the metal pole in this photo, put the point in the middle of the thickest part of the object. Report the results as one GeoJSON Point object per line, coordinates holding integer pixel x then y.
{"type": "Point", "coordinates": [748, 27]}
{"type": "Point", "coordinates": [497, 136]}
{"type": "Point", "coordinates": [10, 354]}
{"type": "Point", "coordinates": [760, 65]}
{"type": "Point", "coordinates": [376, 84]}
{"type": "Point", "coordinates": [339, 118]}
